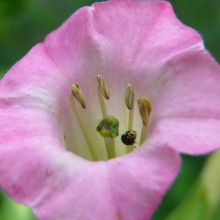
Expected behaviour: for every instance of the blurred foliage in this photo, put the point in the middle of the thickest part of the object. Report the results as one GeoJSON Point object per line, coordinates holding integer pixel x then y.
{"type": "Point", "coordinates": [194, 206]}
{"type": "Point", "coordinates": [190, 170]}
{"type": "Point", "coordinates": [23, 23]}
{"type": "Point", "coordinates": [9, 210]}
{"type": "Point", "coordinates": [203, 200]}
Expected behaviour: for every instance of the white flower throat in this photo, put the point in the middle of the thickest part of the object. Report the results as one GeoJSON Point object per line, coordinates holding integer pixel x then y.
{"type": "Point", "coordinates": [108, 127]}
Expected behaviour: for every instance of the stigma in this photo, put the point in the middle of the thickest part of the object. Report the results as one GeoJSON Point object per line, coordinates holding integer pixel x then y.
{"type": "Point", "coordinates": [108, 127]}
{"type": "Point", "coordinates": [117, 137]}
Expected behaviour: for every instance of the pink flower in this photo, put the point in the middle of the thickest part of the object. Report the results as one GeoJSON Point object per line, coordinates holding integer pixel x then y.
{"type": "Point", "coordinates": [46, 147]}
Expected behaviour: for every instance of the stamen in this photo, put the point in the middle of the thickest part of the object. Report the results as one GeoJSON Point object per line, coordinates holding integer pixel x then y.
{"type": "Point", "coordinates": [77, 93]}
{"type": "Point", "coordinates": [129, 101]}
{"type": "Point", "coordinates": [103, 92]}
{"type": "Point", "coordinates": [104, 88]}
{"type": "Point", "coordinates": [129, 97]}
{"type": "Point", "coordinates": [83, 129]}
{"type": "Point", "coordinates": [144, 109]}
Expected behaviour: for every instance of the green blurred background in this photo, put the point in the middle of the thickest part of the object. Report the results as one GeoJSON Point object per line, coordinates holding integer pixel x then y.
{"type": "Point", "coordinates": [23, 23]}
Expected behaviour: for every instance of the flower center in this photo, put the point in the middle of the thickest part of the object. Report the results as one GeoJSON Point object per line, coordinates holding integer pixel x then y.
{"type": "Point", "coordinates": [107, 128]}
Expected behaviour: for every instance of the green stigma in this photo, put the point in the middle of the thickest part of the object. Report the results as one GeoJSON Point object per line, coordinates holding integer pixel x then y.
{"type": "Point", "coordinates": [108, 127]}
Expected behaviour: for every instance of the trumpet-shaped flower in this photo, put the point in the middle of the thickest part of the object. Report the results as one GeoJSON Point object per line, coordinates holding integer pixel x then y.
{"type": "Point", "coordinates": [93, 119]}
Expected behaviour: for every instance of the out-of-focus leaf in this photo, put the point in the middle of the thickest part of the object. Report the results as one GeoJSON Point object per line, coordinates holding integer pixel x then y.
{"type": "Point", "coordinates": [13, 211]}
{"type": "Point", "coordinates": [216, 214]}
{"type": "Point", "coordinates": [203, 200]}
{"type": "Point", "coordinates": [2, 72]}
{"type": "Point", "coordinates": [194, 206]}
{"type": "Point", "coordinates": [189, 173]}
{"type": "Point", "coordinates": [210, 179]}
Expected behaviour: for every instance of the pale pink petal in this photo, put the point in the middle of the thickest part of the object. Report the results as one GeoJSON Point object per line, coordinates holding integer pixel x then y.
{"type": "Point", "coordinates": [62, 188]}
{"type": "Point", "coordinates": [35, 78]}
{"type": "Point", "coordinates": [186, 112]}
{"type": "Point", "coordinates": [35, 170]}
{"type": "Point", "coordinates": [126, 41]}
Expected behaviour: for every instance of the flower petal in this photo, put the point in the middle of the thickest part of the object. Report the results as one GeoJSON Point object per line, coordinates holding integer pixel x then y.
{"type": "Point", "coordinates": [36, 171]}
{"type": "Point", "coordinates": [119, 37]}
{"type": "Point", "coordinates": [29, 78]}
{"type": "Point", "coordinates": [186, 112]}
{"type": "Point", "coordinates": [129, 187]}
{"type": "Point", "coordinates": [126, 41]}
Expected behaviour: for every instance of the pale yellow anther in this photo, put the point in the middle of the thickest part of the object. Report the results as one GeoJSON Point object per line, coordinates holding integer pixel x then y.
{"type": "Point", "coordinates": [77, 93]}
{"type": "Point", "coordinates": [103, 86]}
{"type": "Point", "coordinates": [144, 109]}
{"type": "Point", "coordinates": [129, 97]}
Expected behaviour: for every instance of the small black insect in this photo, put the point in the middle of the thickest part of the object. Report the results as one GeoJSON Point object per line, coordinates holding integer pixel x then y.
{"type": "Point", "coordinates": [129, 137]}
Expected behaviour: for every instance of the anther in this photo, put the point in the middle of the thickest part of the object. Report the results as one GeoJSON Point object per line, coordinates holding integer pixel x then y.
{"type": "Point", "coordinates": [129, 97]}
{"type": "Point", "coordinates": [103, 86]}
{"type": "Point", "coordinates": [144, 109]}
{"type": "Point", "coordinates": [77, 93]}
